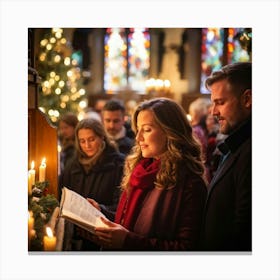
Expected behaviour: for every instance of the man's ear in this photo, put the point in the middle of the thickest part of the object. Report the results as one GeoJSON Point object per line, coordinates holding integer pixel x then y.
{"type": "Point", "coordinates": [247, 98]}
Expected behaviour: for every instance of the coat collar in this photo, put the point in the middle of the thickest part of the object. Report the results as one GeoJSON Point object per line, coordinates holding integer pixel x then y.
{"type": "Point", "coordinates": [230, 146]}
{"type": "Point", "coordinates": [237, 137]}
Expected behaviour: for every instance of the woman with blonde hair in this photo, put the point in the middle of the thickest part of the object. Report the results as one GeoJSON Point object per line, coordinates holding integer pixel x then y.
{"type": "Point", "coordinates": [163, 189]}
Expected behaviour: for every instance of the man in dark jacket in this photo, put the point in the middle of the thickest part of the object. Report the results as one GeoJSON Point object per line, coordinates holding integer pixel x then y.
{"type": "Point", "coordinates": [118, 130]}
{"type": "Point", "coordinates": [228, 212]}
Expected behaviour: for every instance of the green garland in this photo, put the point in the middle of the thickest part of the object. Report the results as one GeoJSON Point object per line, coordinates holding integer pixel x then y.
{"type": "Point", "coordinates": [42, 205]}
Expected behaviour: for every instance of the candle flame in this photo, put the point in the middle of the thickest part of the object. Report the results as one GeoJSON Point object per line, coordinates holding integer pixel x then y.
{"type": "Point", "coordinates": [49, 232]}
{"type": "Point", "coordinates": [43, 161]}
{"type": "Point", "coordinates": [32, 164]}
{"type": "Point", "coordinates": [30, 214]}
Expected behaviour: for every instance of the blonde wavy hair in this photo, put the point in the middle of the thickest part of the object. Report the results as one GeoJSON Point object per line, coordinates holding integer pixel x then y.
{"type": "Point", "coordinates": [183, 152]}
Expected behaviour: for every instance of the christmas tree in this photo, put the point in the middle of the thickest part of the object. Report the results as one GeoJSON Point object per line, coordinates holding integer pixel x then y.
{"type": "Point", "coordinates": [61, 87]}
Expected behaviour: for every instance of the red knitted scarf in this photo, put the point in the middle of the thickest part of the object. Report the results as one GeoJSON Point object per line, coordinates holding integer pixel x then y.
{"type": "Point", "coordinates": [142, 179]}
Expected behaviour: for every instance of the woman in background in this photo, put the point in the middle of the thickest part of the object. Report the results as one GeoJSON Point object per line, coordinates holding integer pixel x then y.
{"type": "Point", "coordinates": [66, 135]}
{"type": "Point", "coordinates": [95, 172]}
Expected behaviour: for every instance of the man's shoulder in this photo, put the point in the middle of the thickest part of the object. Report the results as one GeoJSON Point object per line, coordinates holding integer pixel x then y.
{"type": "Point", "coordinates": [125, 141]}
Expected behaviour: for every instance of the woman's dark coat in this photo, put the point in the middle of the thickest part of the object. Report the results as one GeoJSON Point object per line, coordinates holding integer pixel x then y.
{"type": "Point", "coordinates": [101, 183]}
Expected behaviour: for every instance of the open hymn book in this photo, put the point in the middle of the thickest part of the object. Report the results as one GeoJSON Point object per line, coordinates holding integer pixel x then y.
{"type": "Point", "coordinates": [79, 211]}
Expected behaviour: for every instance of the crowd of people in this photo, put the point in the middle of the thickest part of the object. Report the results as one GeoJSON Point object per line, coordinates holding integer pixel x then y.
{"type": "Point", "coordinates": [164, 182]}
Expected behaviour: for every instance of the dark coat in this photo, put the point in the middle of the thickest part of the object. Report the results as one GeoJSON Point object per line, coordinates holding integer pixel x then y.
{"type": "Point", "coordinates": [169, 220]}
{"type": "Point", "coordinates": [125, 144]}
{"type": "Point", "coordinates": [66, 156]}
{"type": "Point", "coordinates": [101, 183]}
{"type": "Point", "coordinates": [228, 211]}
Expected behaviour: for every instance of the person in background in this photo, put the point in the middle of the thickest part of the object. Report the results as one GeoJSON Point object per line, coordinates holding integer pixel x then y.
{"type": "Point", "coordinates": [198, 111]}
{"type": "Point", "coordinates": [90, 113]}
{"type": "Point", "coordinates": [98, 105]}
{"type": "Point", "coordinates": [66, 135]}
{"type": "Point", "coordinates": [130, 107]}
{"type": "Point", "coordinates": [228, 213]}
{"type": "Point", "coordinates": [113, 117]}
{"type": "Point", "coordinates": [214, 137]}
{"type": "Point", "coordinates": [163, 189]}
{"type": "Point", "coordinates": [95, 173]}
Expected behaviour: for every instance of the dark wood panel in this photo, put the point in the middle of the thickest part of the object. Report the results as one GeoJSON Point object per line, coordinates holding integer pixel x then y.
{"type": "Point", "coordinates": [42, 143]}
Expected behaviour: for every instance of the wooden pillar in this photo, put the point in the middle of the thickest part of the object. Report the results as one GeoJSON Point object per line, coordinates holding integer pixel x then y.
{"type": "Point", "coordinates": [42, 135]}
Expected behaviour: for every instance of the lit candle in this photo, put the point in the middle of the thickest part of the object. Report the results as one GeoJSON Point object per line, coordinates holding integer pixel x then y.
{"type": "Point", "coordinates": [42, 171]}
{"type": "Point", "coordinates": [30, 221]}
{"type": "Point", "coordinates": [29, 184]}
{"type": "Point", "coordinates": [31, 177]}
{"type": "Point", "coordinates": [167, 85]}
{"type": "Point", "coordinates": [49, 240]}
{"type": "Point", "coordinates": [31, 231]}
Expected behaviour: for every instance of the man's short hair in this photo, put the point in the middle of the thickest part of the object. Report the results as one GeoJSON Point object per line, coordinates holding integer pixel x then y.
{"type": "Point", "coordinates": [238, 75]}
{"type": "Point", "coordinates": [114, 105]}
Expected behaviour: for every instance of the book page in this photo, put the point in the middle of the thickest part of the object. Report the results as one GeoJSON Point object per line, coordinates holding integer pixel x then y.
{"type": "Point", "coordinates": [78, 208]}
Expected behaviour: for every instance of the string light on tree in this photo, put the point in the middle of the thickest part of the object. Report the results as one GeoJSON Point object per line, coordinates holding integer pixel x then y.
{"type": "Point", "coordinates": [62, 82]}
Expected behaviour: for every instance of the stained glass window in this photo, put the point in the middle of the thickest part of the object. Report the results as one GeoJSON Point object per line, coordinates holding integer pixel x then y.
{"type": "Point", "coordinates": [235, 52]}
{"type": "Point", "coordinates": [127, 59]}
{"type": "Point", "coordinates": [115, 60]}
{"type": "Point", "coordinates": [214, 51]}
{"type": "Point", "coordinates": [138, 58]}
{"type": "Point", "coordinates": [211, 53]}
